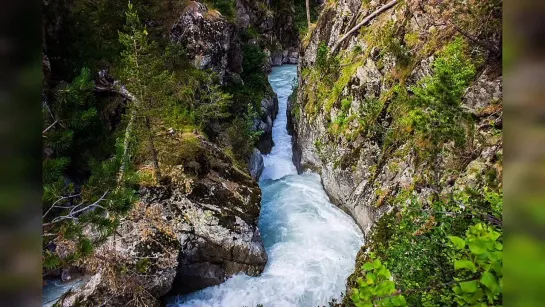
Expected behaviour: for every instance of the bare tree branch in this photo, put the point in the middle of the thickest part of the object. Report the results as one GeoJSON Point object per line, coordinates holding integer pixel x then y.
{"type": "Point", "coordinates": [72, 214]}
{"type": "Point", "coordinates": [50, 126]}
{"type": "Point", "coordinates": [57, 201]}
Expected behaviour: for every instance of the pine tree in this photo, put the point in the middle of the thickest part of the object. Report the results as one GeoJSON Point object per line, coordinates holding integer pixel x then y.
{"type": "Point", "coordinates": [141, 74]}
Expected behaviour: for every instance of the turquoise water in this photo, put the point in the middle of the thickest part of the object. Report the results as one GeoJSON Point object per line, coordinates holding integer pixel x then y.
{"type": "Point", "coordinates": [311, 244]}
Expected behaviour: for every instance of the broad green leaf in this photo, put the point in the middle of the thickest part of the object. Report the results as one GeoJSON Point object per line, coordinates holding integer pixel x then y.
{"type": "Point", "coordinates": [495, 235]}
{"type": "Point", "coordinates": [370, 278]}
{"type": "Point", "coordinates": [464, 264]}
{"type": "Point", "coordinates": [398, 301]}
{"type": "Point", "coordinates": [368, 266]}
{"type": "Point", "coordinates": [469, 286]}
{"type": "Point", "coordinates": [490, 281]}
{"type": "Point", "coordinates": [477, 247]}
{"type": "Point", "coordinates": [496, 266]}
{"type": "Point", "coordinates": [383, 271]}
{"type": "Point", "coordinates": [475, 297]}
{"type": "Point", "coordinates": [457, 290]}
{"type": "Point", "coordinates": [458, 242]}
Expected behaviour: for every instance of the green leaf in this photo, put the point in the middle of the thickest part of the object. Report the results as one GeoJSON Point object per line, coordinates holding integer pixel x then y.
{"type": "Point", "coordinates": [490, 281]}
{"type": "Point", "coordinates": [469, 286]}
{"type": "Point", "coordinates": [368, 266]}
{"type": "Point", "coordinates": [457, 290]}
{"type": "Point", "coordinates": [383, 271]}
{"type": "Point", "coordinates": [399, 301]}
{"type": "Point", "coordinates": [458, 242]}
{"type": "Point", "coordinates": [477, 247]}
{"type": "Point", "coordinates": [464, 264]}
{"type": "Point", "coordinates": [370, 278]}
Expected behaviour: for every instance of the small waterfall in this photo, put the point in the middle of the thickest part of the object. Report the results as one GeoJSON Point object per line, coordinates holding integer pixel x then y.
{"type": "Point", "coordinates": [311, 244]}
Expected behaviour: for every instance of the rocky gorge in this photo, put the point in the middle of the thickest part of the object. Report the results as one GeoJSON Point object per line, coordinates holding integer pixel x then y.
{"type": "Point", "coordinates": [210, 184]}
{"type": "Point", "coordinates": [198, 227]}
{"type": "Point", "coordinates": [356, 117]}
{"type": "Point", "coordinates": [358, 171]}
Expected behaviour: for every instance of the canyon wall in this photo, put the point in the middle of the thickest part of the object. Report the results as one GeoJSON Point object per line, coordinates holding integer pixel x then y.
{"type": "Point", "coordinates": [351, 115]}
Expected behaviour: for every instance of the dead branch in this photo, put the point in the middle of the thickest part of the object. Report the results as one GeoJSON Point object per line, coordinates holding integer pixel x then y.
{"type": "Point", "coordinates": [363, 22]}
{"type": "Point", "coordinates": [74, 211]}
{"type": "Point", "coordinates": [57, 201]}
{"type": "Point", "coordinates": [50, 126]}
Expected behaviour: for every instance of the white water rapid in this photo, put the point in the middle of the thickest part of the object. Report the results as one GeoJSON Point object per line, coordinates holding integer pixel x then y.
{"type": "Point", "coordinates": [311, 244]}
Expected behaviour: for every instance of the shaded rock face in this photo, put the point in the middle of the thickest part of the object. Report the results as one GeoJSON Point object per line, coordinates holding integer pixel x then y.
{"type": "Point", "coordinates": [213, 42]}
{"type": "Point", "coordinates": [209, 38]}
{"type": "Point", "coordinates": [269, 110]}
{"type": "Point", "coordinates": [256, 164]}
{"type": "Point", "coordinates": [356, 172]}
{"type": "Point", "coordinates": [181, 239]}
{"type": "Point", "coordinates": [288, 56]}
{"type": "Point", "coordinates": [275, 23]}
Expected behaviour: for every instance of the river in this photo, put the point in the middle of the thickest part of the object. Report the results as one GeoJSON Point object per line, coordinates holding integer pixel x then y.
{"type": "Point", "coordinates": [311, 244]}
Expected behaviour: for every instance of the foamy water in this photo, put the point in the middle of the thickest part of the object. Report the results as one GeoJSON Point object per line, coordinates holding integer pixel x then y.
{"type": "Point", "coordinates": [311, 244]}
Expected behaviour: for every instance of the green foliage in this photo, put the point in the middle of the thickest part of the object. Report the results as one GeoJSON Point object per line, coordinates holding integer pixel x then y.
{"type": "Point", "coordinates": [478, 263]}
{"type": "Point", "coordinates": [214, 106]}
{"type": "Point", "coordinates": [240, 138]}
{"type": "Point", "coordinates": [326, 62]}
{"type": "Point", "coordinates": [439, 253]}
{"type": "Point", "coordinates": [252, 66]}
{"type": "Point", "coordinates": [434, 113]}
{"type": "Point", "coordinates": [301, 15]}
{"type": "Point", "coordinates": [376, 287]}
{"type": "Point", "coordinates": [225, 7]}
{"type": "Point", "coordinates": [392, 44]}
{"type": "Point", "coordinates": [142, 265]}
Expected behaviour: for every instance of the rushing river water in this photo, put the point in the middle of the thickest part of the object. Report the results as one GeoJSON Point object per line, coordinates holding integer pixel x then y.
{"type": "Point", "coordinates": [311, 244]}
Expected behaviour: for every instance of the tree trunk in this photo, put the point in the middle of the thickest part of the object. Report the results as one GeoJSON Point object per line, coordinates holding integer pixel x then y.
{"type": "Point", "coordinates": [106, 84]}
{"type": "Point", "coordinates": [363, 22]}
{"type": "Point", "coordinates": [308, 14]}
{"type": "Point", "coordinates": [156, 169]}
{"type": "Point", "coordinates": [128, 132]}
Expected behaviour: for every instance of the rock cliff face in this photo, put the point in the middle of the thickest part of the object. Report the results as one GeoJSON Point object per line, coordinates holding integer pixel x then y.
{"type": "Point", "coordinates": [212, 41]}
{"type": "Point", "coordinates": [274, 21]}
{"type": "Point", "coordinates": [269, 110]}
{"type": "Point", "coordinates": [180, 237]}
{"type": "Point", "coordinates": [348, 108]}
{"type": "Point", "coordinates": [199, 226]}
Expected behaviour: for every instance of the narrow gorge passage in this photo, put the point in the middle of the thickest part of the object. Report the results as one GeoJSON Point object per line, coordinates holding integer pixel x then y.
{"type": "Point", "coordinates": [311, 244]}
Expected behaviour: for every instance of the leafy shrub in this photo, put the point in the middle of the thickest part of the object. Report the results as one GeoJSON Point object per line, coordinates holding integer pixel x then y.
{"type": "Point", "coordinates": [376, 287]}
{"type": "Point", "coordinates": [438, 253]}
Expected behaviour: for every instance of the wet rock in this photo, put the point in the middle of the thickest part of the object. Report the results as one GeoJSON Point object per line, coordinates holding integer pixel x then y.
{"type": "Point", "coordinates": [178, 239]}
{"type": "Point", "coordinates": [256, 164]}
{"type": "Point", "coordinates": [269, 110]}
